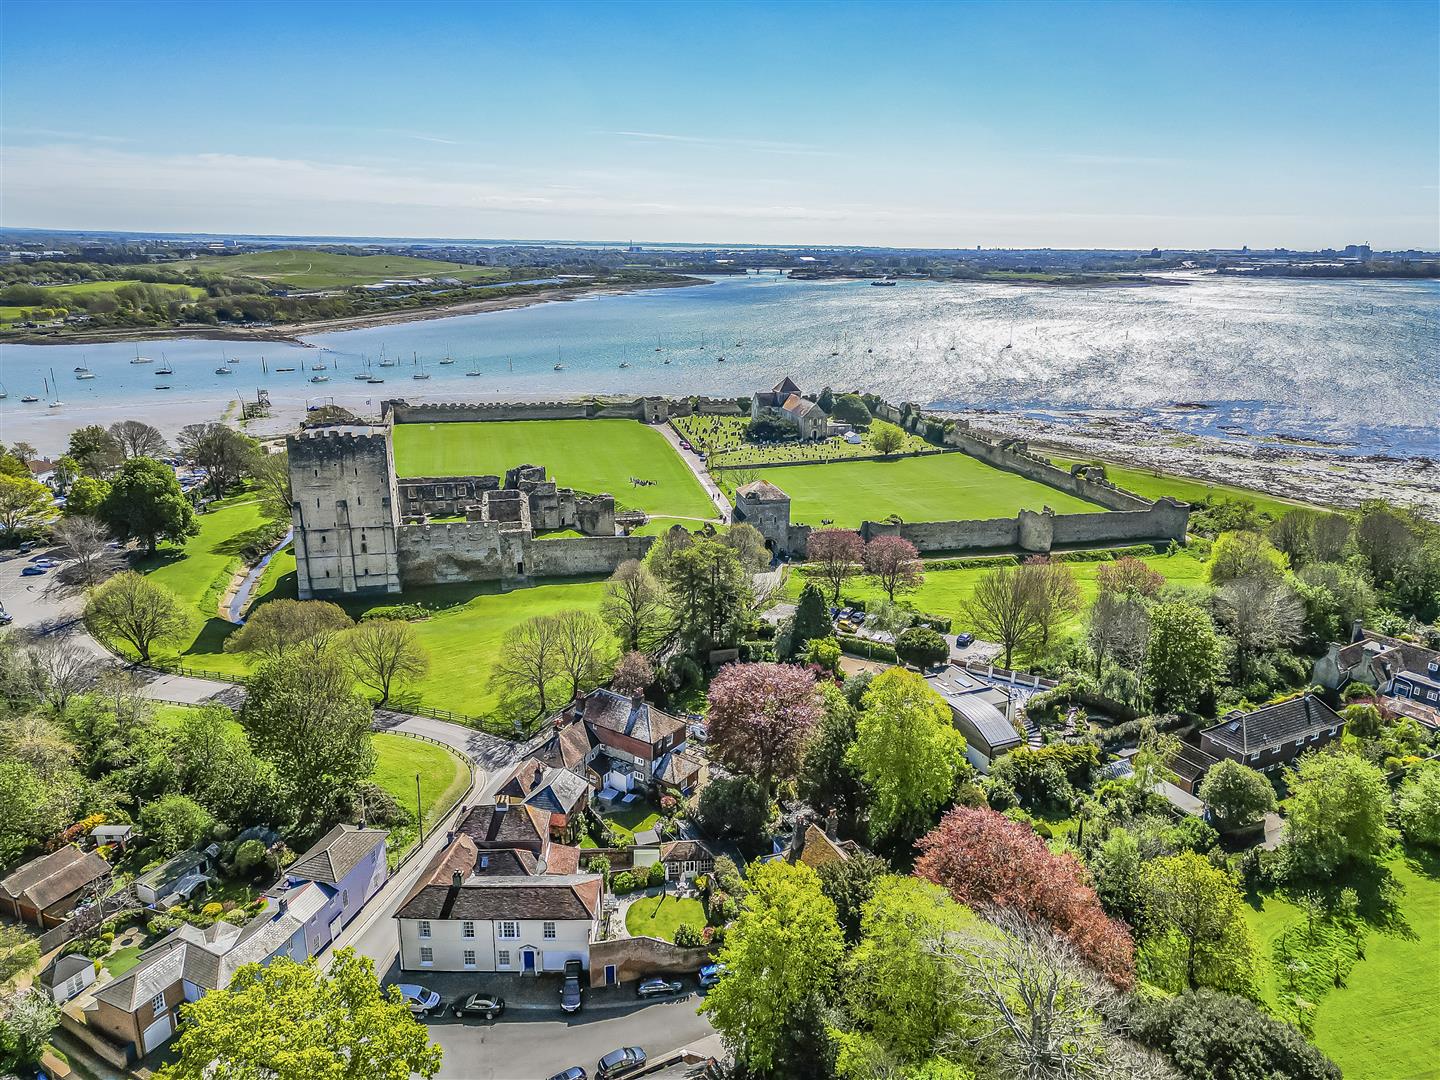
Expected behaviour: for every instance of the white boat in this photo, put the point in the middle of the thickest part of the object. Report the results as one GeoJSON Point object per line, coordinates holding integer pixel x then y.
{"type": "Point", "coordinates": [386, 363]}
{"type": "Point", "coordinates": [319, 378]}
{"type": "Point", "coordinates": [886, 280]}
{"type": "Point", "coordinates": [85, 375]}
{"type": "Point", "coordinates": [446, 361]}
{"type": "Point", "coordinates": [166, 370]}
{"type": "Point", "coordinates": [55, 404]}
{"type": "Point", "coordinates": [623, 364]}
{"type": "Point", "coordinates": [317, 367]}
{"type": "Point", "coordinates": [559, 367]}
{"type": "Point", "coordinates": [142, 359]}
{"type": "Point", "coordinates": [421, 375]}
{"type": "Point", "coordinates": [222, 370]}
{"type": "Point", "coordinates": [373, 382]}
{"type": "Point", "coordinates": [362, 377]}
{"type": "Point", "coordinates": [469, 373]}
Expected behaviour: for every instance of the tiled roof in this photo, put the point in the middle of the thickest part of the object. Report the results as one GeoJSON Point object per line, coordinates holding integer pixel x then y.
{"type": "Point", "coordinates": [606, 710]}
{"type": "Point", "coordinates": [1272, 725]}
{"type": "Point", "coordinates": [818, 849]}
{"type": "Point", "coordinates": [1191, 763]}
{"type": "Point", "coordinates": [503, 862]}
{"type": "Point", "coordinates": [677, 768]}
{"type": "Point", "coordinates": [761, 491]}
{"type": "Point", "coordinates": [554, 790]}
{"type": "Point", "coordinates": [569, 746]}
{"type": "Point", "coordinates": [686, 851]}
{"type": "Point", "coordinates": [337, 853]}
{"type": "Point", "coordinates": [64, 968]}
{"type": "Point", "coordinates": [50, 878]}
{"type": "Point", "coordinates": [796, 405]}
{"type": "Point", "coordinates": [557, 897]}
{"type": "Point", "coordinates": [506, 825]}
{"type": "Point", "coordinates": [785, 386]}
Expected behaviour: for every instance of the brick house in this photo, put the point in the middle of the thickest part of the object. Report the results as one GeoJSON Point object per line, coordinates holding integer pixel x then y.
{"type": "Point", "coordinates": [621, 742]}
{"type": "Point", "coordinates": [1274, 735]}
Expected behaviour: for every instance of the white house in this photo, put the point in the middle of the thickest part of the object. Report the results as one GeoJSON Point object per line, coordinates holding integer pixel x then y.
{"type": "Point", "coordinates": [500, 897]}
{"type": "Point", "coordinates": [67, 976]}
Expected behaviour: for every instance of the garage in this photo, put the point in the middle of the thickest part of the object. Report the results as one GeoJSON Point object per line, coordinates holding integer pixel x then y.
{"type": "Point", "coordinates": [158, 1032]}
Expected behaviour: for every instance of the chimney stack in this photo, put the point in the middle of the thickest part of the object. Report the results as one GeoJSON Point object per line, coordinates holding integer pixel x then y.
{"type": "Point", "coordinates": [832, 825]}
{"type": "Point", "coordinates": [456, 879]}
{"type": "Point", "coordinates": [1357, 631]}
{"type": "Point", "coordinates": [797, 837]}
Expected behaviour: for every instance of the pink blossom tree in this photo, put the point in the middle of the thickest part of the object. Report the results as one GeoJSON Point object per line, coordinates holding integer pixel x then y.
{"type": "Point", "coordinates": [760, 719]}
{"type": "Point", "coordinates": [894, 563]}
{"type": "Point", "coordinates": [837, 554]}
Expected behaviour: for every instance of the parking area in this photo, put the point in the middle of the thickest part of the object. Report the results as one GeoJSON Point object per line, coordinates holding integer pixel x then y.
{"type": "Point", "coordinates": [534, 1040]}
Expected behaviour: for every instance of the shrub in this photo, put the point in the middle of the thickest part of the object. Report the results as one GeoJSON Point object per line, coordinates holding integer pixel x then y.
{"type": "Point", "coordinates": [248, 856]}
{"type": "Point", "coordinates": [212, 911]}
{"type": "Point", "coordinates": [687, 937]}
{"type": "Point", "coordinates": [1357, 690]}
{"type": "Point", "coordinates": [921, 647]}
{"type": "Point", "coordinates": [656, 876]}
{"type": "Point", "coordinates": [239, 917]}
{"type": "Point", "coordinates": [871, 650]}
{"type": "Point", "coordinates": [162, 924]}
{"type": "Point", "coordinates": [396, 612]}
{"type": "Point", "coordinates": [623, 882]}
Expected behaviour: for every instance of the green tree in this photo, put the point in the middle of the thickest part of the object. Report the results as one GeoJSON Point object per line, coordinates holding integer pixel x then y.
{"type": "Point", "coordinates": [19, 949]}
{"type": "Point", "coordinates": [215, 764]}
{"type": "Point", "coordinates": [707, 591]}
{"type": "Point", "coordinates": [95, 449]}
{"type": "Point", "coordinates": [921, 647]}
{"type": "Point", "coordinates": [828, 780]}
{"type": "Point", "coordinates": [1115, 866]}
{"type": "Point", "coordinates": [812, 618]}
{"type": "Point", "coordinates": [781, 959]}
{"type": "Point", "coordinates": [1182, 657]}
{"type": "Point", "coordinates": [851, 409]}
{"type": "Point", "coordinates": [1244, 554]}
{"type": "Point", "coordinates": [87, 495]}
{"type": "Point", "coordinates": [886, 438]}
{"type": "Point", "coordinates": [1236, 794]}
{"type": "Point", "coordinates": [849, 883]}
{"type": "Point", "coordinates": [1417, 805]}
{"type": "Point", "coordinates": [175, 823]}
{"type": "Point", "coordinates": [897, 986]}
{"type": "Point", "coordinates": [271, 476]}
{"type": "Point", "coordinates": [1336, 814]}
{"type": "Point", "coordinates": [289, 1021]}
{"type": "Point", "coordinates": [1002, 608]}
{"type": "Point", "coordinates": [735, 807]}
{"type": "Point", "coordinates": [138, 611]}
{"type": "Point", "coordinates": [1196, 930]}
{"type": "Point", "coordinates": [26, 1020]}
{"type": "Point", "coordinates": [221, 451]}
{"type": "Point", "coordinates": [25, 503]}
{"type": "Point", "coordinates": [304, 716]}
{"type": "Point", "coordinates": [907, 752]}
{"type": "Point", "coordinates": [280, 628]}
{"type": "Point", "coordinates": [383, 653]}
{"type": "Point", "coordinates": [634, 607]}
{"type": "Point", "coordinates": [145, 501]}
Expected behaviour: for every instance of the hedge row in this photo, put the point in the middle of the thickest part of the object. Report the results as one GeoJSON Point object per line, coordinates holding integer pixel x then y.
{"type": "Point", "coordinates": [870, 650]}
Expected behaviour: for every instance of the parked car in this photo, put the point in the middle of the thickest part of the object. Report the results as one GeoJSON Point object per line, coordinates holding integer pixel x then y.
{"type": "Point", "coordinates": [479, 1004]}
{"type": "Point", "coordinates": [570, 992]}
{"type": "Point", "coordinates": [32, 570]}
{"type": "Point", "coordinates": [845, 614]}
{"type": "Point", "coordinates": [964, 640]}
{"type": "Point", "coordinates": [858, 617]}
{"type": "Point", "coordinates": [618, 1062]}
{"type": "Point", "coordinates": [422, 1000]}
{"type": "Point", "coordinates": [658, 988]}
{"type": "Point", "coordinates": [685, 444]}
{"type": "Point", "coordinates": [26, 545]}
{"type": "Point", "coordinates": [710, 974]}
{"type": "Point", "coordinates": [575, 1072]}
{"type": "Point", "coordinates": [5, 617]}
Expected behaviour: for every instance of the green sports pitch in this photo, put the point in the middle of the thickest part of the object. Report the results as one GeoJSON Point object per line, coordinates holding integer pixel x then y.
{"type": "Point", "coordinates": [587, 455]}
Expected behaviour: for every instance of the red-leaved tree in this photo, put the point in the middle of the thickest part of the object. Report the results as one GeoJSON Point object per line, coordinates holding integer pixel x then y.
{"type": "Point", "coordinates": [837, 553]}
{"type": "Point", "coordinates": [894, 563]}
{"type": "Point", "coordinates": [1129, 577]}
{"type": "Point", "coordinates": [760, 718]}
{"type": "Point", "coordinates": [985, 859]}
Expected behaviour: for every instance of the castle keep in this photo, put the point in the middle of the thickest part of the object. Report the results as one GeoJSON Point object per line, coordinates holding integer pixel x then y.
{"type": "Point", "coordinates": [360, 530]}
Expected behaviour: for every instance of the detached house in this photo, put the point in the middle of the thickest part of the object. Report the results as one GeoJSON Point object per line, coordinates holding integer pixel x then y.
{"type": "Point", "coordinates": [622, 743]}
{"type": "Point", "coordinates": [501, 896]}
{"type": "Point", "coordinates": [1274, 735]}
{"type": "Point", "coordinates": [562, 794]}
{"type": "Point", "coordinates": [46, 890]}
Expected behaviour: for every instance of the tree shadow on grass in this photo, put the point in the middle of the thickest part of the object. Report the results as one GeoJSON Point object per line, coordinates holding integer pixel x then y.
{"type": "Point", "coordinates": [251, 543]}
{"type": "Point", "coordinates": [1379, 894]}
{"type": "Point", "coordinates": [1424, 861]}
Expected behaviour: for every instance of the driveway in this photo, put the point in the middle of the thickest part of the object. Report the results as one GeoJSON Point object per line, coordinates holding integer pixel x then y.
{"type": "Point", "coordinates": [696, 466]}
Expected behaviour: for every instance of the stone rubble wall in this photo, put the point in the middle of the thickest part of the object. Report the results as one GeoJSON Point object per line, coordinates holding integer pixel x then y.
{"type": "Point", "coordinates": [639, 957]}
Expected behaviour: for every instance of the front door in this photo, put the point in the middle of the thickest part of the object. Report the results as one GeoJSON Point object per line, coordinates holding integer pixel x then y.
{"type": "Point", "coordinates": [610, 974]}
{"type": "Point", "coordinates": [527, 961]}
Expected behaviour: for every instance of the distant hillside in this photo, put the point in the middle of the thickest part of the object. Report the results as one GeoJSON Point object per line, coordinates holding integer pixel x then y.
{"type": "Point", "coordinates": [298, 268]}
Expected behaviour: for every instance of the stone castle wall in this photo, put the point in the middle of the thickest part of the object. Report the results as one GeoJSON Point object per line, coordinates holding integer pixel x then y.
{"type": "Point", "coordinates": [458, 552]}
{"type": "Point", "coordinates": [1166, 519]}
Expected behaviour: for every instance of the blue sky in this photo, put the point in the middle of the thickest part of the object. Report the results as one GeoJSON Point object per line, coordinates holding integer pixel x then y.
{"type": "Point", "coordinates": [1021, 124]}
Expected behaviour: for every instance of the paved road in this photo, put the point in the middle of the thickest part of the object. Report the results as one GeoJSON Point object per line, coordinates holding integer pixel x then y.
{"type": "Point", "coordinates": [696, 466]}
{"type": "Point", "coordinates": [537, 1045]}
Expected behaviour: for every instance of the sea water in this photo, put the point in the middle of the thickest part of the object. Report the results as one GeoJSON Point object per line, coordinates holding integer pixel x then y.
{"type": "Point", "coordinates": [1346, 362]}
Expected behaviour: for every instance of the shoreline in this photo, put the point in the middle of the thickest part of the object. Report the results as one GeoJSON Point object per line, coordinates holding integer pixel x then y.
{"type": "Point", "coordinates": [1303, 473]}
{"type": "Point", "coordinates": [293, 333]}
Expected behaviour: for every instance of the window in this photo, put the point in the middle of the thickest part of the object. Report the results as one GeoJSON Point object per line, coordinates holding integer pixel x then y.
{"type": "Point", "coordinates": [427, 956]}
{"type": "Point", "coordinates": [157, 1003]}
{"type": "Point", "coordinates": [469, 958]}
{"type": "Point", "coordinates": [1430, 695]}
{"type": "Point", "coordinates": [424, 927]}
{"type": "Point", "coordinates": [344, 897]}
{"type": "Point", "coordinates": [1300, 741]}
{"type": "Point", "coordinates": [467, 929]}
{"type": "Point", "coordinates": [1254, 757]}
{"type": "Point", "coordinates": [509, 929]}
{"type": "Point", "coordinates": [550, 931]}
{"type": "Point", "coordinates": [502, 958]}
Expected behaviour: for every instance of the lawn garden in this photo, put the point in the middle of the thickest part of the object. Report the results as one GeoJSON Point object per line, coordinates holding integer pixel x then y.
{"type": "Point", "coordinates": [660, 916]}
{"type": "Point", "coordinates": [1152, 485]}
{"type": "Point", "coordinates": [940, 487]}
{"type": "Point", "coordinates": [1381, 1023]}
{"type": "Point", "coordinates": [588, 455]}
{"type": "Point", "coordinates": [946, 591]}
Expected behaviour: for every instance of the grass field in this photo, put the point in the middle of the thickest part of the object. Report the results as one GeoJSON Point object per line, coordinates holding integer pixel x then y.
{"type": "Point", "coordinates": [660, 916]}
{"type": "Point", "coordinates": [938, 488]}
{"type": "Point", "coordinates": [588, 455]}
{"type": "Point", "coordinates": [92, 288]}
{"type": "Point", "coordinates": [1380, 1025]}
{"type": "Point", "coordinates": [300, 269]}
{"type": "Point", "coordinates": [1152, 485]}
{"type": "Point", "coordinates": [946, 591]}
{"type": "Point", "coordinates": [443, 776]}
